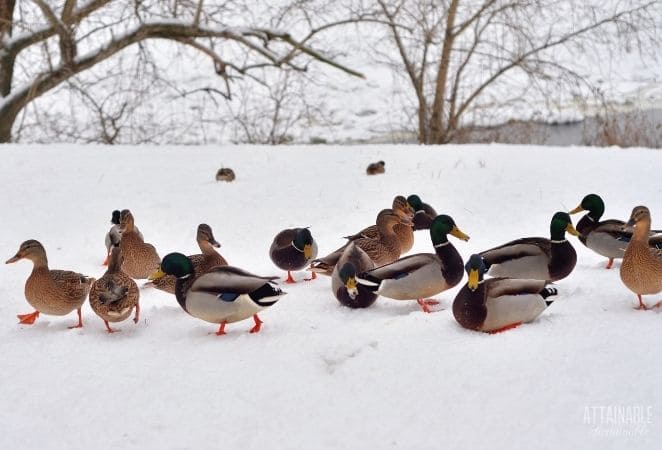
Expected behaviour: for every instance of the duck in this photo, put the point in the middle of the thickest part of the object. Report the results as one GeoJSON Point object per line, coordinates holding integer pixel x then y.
{"type": "Point", "coordinates": [114, 296]}
{"type": "Point", "coordinates": [223, 295]}
{"type": "Point", "coordinates": [375, 168]}
{"type": "Point", "coordinates": [343, 280]}
{"type": "Point", "coordinates": [203, 262]}
{"type": "Point", "coordinates": [424, 214]}
{"type": "Point", "coordinates": [52, 292]}
{"type": "Point", "coordinates": [404, 231]}
{"type": "Point", "coordinates": [383, 250]}
{"type": "Point", "coordinates": [422, 275]}
{"type": "Point", "coordinates": [499, 304]}
{"type": "Point", "coordinates": [608, 237]}
{"type": "Point", "coordinates": [293, 249]}
{"type": "Point", "coordinates": [225, 174]}
{"type": "Point", "coordinates": [140, 258]}
{"type": "Point", "coordinates": [641, 269]}
{"type": "Point", "coordinates": [113, 236]}
{"type": "Point", "coordinates": [536, 257]}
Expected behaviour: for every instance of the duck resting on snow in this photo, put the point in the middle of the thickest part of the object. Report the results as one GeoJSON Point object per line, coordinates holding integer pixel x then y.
{"type": "Point", "coordinates": [535, 257]}
{"type": "Point", "coordinates": [498, 304]}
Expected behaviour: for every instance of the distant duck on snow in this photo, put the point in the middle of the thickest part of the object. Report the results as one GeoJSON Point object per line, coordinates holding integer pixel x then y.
{"type": "Point", "coordinates": [375, 168]}
{"type": "Point", "coordinates": [225, 174]}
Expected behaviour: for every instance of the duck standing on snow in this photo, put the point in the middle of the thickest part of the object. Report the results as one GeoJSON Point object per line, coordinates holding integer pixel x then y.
{"type": "Point", "coordinates": [343, 280]}
{"type": "Point", "coordinates": [608, 237]}
{"type": "Point", "coordinates": [114, 296]}
{"type": "Point", "coordinates": [498, 304]}
{"type": "Point", "coordinates": [422, 275]}
{"type": "Point", "coordinates": [140, 258]}
{"type": "Point", "coordinates": [404, 231]}
{"type": "Point", "coordinates": [424, 214]}
{"type": "Point", "coordinates": [225, 174]}
{"type": "Point", "coordinates": [383, 250]}
{"type": "Point", "coordinates": [113, 236]}
{"type": "Point", "coordinates": [293, 249]}
{"type": "Point", "coordinates": [223, 295]}
{"type": "Point", "coordinates": [641, 269]}
{"type": "Point", "coordinates": [375, 168]}
{"type": "Point", "coordinates": [202, 262]}
{"type": "Point", "coordinates": [535, 257]}
{"type": "Point", "coordinates": [54, 292]}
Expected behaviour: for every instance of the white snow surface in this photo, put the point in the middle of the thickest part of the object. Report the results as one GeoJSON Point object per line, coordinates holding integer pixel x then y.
{"type": "Point", "coordinates": [320, 375]}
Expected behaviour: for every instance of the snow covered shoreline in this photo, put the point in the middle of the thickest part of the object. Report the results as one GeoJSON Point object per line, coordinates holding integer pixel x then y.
{"type": "Point", "coordinates": [320, 375]}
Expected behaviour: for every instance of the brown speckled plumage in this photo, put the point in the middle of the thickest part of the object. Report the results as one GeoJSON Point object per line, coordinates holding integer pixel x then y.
{"type": "Point", "coordinates": [114, 296]}
{"type": "Point", "coordinates": [202, 262]}
{"type": "Point", "coordinates": [54, 292]}
{"type": "Point", "coordinates": [641, 270]}
{"type": "Point", "coordinates": [140, 258]}
{"type": "Point", "coordinates": [404, 232]}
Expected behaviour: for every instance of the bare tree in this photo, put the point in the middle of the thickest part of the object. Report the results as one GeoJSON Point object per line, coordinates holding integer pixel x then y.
{"type": "Point", "coordinates": [43, 47]}
{"type": "Point", "coordinates": [463, 56]}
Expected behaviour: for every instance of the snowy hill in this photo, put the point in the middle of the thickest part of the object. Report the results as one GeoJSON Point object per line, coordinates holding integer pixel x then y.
{"type": "Point", "coordinates": [320, 375]}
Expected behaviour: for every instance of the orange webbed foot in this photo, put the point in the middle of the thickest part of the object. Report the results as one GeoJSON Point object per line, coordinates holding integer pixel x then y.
{"type": "Point", "coordinates": [289, 279]}
{"type": "Point", "coordinates": [610, 263]}
{"type": "Point", "coordinates": [313, 277]}
{"type": "Point", "coordinates": [506, 328]}
{"type": "Point", "coordinates": [258, 324]}
{"type": "Point", "coordinates": [28, 319]}
{"type": "Point", "coordinates": [80, 320]}
{"type": "Point", "coordinates": [221, 329]}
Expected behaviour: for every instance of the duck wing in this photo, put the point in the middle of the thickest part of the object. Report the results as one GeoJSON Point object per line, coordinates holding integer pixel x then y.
{"type": "Point", "coordinates": [519, 248]}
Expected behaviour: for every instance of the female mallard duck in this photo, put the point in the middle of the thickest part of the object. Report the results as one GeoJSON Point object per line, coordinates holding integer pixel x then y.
{"type": "Point", "coordinates": [113, 236]}
{"type": "Point", "coordinates": [225, 174]}
{"type": "Point", "coordinates": [54, 292]}
{"type": "Point", "coordinates": [498, 304]}
{"type": "Point", "coordinates": [405, 232]}
{"type": "Point", "coordinates": [140, 258]}
{"type": "Point", "coordinates": [608, 237]}
{"type": "Point", "coordinates": [223, 295]}
{"type": "Point", "coordinates": [641, 269]}
{"type": "Point", "coordinates": [383, 250]}
{"type": "Point", "coordinates": [536, 257]}
{"type": "Point", "coordinates": [203, 262]}
{"type": "Point", "coordinates": [293, 249]}
{"type": "Point", "coordinates": [423, 275]}
{"type": "Point", "coordinates": [375, 168]}
{"type": "Point", "coordinates": [424, 214]}
{"type": "Point", "coordinates": [343, 281]}
{"type": "Point", "coordinates": [114, 296]}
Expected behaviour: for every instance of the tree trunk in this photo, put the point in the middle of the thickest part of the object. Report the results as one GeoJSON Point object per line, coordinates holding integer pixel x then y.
{"type": "Point", "coordinates": [7, 118]}
{"type": "Point", "coordinates": [7, 115]}
{"type": "Point", "coordinates": [437, 134]}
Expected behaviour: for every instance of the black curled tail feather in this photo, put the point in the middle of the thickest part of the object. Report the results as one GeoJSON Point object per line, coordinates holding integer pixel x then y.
{"type": "Point", "coordinates": [548, 292]}
{"type": "Point", "coordinates": [369, 282]}
{"type": "Point", "coordinates": [267, 290]}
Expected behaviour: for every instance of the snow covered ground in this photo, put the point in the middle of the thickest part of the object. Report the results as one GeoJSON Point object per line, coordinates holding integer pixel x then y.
{"type": "Point", "coordinates": [320, 375]}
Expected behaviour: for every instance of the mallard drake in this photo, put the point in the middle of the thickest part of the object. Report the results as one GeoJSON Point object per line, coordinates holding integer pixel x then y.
{"type": "Point", "coordinates": [421, 275]}
{"type": "Point", "coordinates": [535, 257]}
{"type": "Point", "coordinates": [140, 258]}
{"type": "Point", "coordinates": [54, 292]}
{"type": "Point", "coordinates": [225, 174]}
{"type": "Point", "coordinates": [424, 214]}
{"type": "Point", "coordinates": [405, 232]}
{"type": "Point", "coordinates": [223, 295]}
{"type": "Point", "coordinates": [113, 236]}
{"type": "Point", "coordinates": [375, 168]}
{"type": "Point", "coordinates": [203, 262]}
{"type": "Point", "coordinates": [608, 237]}
{"type": "Point", "coordinates": [382, 251]}
{"type": "Point", "coordinates": [343, 281]}
{"type": "Point", "coordinates": [114, 296]}
{"type": "Point", "coordinates": [293, 249]}
{"type": "Point", "coordinates": [498, 304]}
{"type": "Point", "coordinates": [641, 269]}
